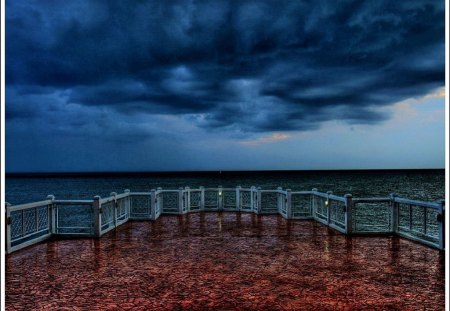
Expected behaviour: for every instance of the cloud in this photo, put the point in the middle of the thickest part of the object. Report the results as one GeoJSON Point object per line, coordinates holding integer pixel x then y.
{"type": "Point", "coordinates": [241, 67]}
{"type": "Point", "coordinates": [266, 139]}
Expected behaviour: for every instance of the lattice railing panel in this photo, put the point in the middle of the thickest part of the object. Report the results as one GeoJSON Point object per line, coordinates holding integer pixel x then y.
{"type": "Point", "coordinates": [229, 199]}
{"type": "Point", "coordinates": [246, 200]}
{"type": "Point", "coordinates": [211, 199]}
{"type": "Point", "coordinates": [301, 205]}
{"type": "Point", "coordinates": [141, 206]}
{"type": "Point", "coordinates": [169, 202]}
{"type": "Point", "coordinates": [195, 200]}
{"type": "Point", "coordinates": [29, 224]}
{"type": "Point", "coordinates": [269, 202]}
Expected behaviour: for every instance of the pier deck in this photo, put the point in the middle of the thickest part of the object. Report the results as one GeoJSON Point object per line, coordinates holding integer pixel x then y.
{"type": "Point", "coordinates": [225, 261]}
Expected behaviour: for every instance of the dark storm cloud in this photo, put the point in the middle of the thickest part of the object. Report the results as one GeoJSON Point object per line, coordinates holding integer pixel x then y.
{"type": "Point", "coordinates": [249, 66]}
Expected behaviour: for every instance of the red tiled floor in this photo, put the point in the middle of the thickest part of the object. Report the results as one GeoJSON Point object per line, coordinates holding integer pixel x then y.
{"type": "Point", "coordinates": [224, 262]}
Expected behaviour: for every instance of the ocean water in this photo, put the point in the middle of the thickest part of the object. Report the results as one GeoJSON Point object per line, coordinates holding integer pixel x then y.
{"type": "Point", "coordinates": [427, 185]}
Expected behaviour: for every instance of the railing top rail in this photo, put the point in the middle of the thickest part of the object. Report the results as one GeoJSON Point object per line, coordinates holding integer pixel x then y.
{"type": "Point", "coordinates": [371, 200]}
{"type": "Point", "coordinates": [121, 196]}
{"type": "Point", "coordinates": [301, 192]}
{"type": "Point", "coordinates": [336, 198]}
{"type": "Point", "coordinates": [73, 202]}
{"type": "Point", "coordinates": [434, 205]}
{"type": "Point", "coordinates": [29, 205]}
{"type": "Point", "coordinates": [140, 193]}
{"type": "Point", "coordinates": [107, 200]}
{"type": "Point", "coordinates": [168, 191]}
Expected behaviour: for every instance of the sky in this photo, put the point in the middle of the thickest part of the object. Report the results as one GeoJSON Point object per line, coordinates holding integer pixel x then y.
{"type": "Point", "coordinates": [224, 85]}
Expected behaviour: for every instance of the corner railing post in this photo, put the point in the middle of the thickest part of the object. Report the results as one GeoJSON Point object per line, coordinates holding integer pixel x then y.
{"type": "Point", "coordinates": [289, 203]}
{"type": "Point", "coordinates": [52, 214]}
{"type": "Point", "coordinates": [187, 206]}
{"type": "Point", "coordinates": [258, 201]}
{"type": "Point", "coordinates": [238, 198]}
{"type": "Point", "coordinates": [441, 220]}
{"type": "Point", "coordinates": [312, 206]}
{"type": "Point", "coordinates": [220, 198]}
{"type": "Point", "coordinates": [348, 213]}
{"type": "Point", "coordinates": [128, 203]}
{"type": "Point", "coordinates": [114, 195]}
{"type": "Point", "coordinates": [8, 227]}
{"type": "Point", "coordinates": [97, 216]}
{"type": "Point", "coordinates": [327, 204]}
{"type": "Point", "coordinates": [394, 213]}
{"type": "Point", "coordinates": [180, 200]}
{"type": "Point", "coordinates": [202, 198]}
{"type": "Point", "coordinates": [153, 204]}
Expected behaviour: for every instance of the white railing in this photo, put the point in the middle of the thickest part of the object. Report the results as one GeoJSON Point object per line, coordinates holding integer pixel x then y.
{"type": "Point", "coordinates": [31, 223]}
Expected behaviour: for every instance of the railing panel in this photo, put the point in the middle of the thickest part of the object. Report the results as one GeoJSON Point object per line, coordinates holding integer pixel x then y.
{"type": "Point", "coordinates": [29, 225]}
{"type": "Point", "coordinates": [337, 212]}
{"type": "Point", "coordinates": [140, 206]}
{"type": "Point", "coordinates": [320, 207]}
{"type": "Point", "coordinates": [123, 208]}
{"type": "Point", "coordinates": [372, 217]}
{"type": "Point", "coordinates": [269, 202]}
{"type": "Point", "coordinates": [211, 200]}
{"type": "Point", "coordinates": [169, 202]}
{"type": "Point", "coordinates": [282, 204]}
{"type": "Point", "coordinates": [246, 200]}
{"type": "Point", "coordinates": [107, 215]}
{"type": "Point", "coordinates": [76, 219]}
{"type": "Point", "coordinates": [195, 200]}
{"type": "Point", "coordinates": [301, 206]}
{"type": "Point", "coordinates": [229, 199]}
{"type": "Point", "coordinates": [419, 222]}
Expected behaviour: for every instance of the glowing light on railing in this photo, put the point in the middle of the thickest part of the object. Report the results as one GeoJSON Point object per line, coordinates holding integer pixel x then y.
{"type": "Point", "coordinates": [220, 193]}
{"type": "Point", "coordinates": [326, 203]}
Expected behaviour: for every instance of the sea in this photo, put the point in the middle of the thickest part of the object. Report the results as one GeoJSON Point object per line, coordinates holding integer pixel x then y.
{"type": "Point", "coordinates": [425, 185]}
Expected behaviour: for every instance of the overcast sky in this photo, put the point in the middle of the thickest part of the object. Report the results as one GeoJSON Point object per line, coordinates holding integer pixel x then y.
{"type": "Point", "coordinates": [216, 85]}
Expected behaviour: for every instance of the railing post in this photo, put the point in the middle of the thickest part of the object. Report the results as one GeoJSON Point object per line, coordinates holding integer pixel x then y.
{"type": "Point", "coordinates": [180, 200]}
{"type": "Point", "coordinates": [114, 194]}
{"type": "Point", "coordinates": [52, 214]}
{"type": "Point", "coordinates": [153, 204]}
{"type": "Point", "coordinates": [238, 198]}
{"type": "Point", "coordinates": [258, 200]}
{"type": "Point", "coordinates": [288, 203]}
{"type": "Point", "coordinates": [252, 198]}
{"type": "Point", "coordinates": [394, 213]}
{"type": "Point", "coordinates": [159, 200]}
{"type": "Point", "coordinates": [327, 204]}
{"type": "Point", "coordinates": [220, 198]}
{"type": "Point", "coordinates": [8, 227]}
{"type": "Point", "coordinates": [97, 216]}
{"type": "Point", "coordinates": [202, 198]}
{"type": "Point", "coordinates": [187, 206]}
{"type": "Point", "coordinates": [441, 220]}
{"type": "Point", "coordinates": [279, 200]}
{"type": "Point", "coordinates": [348, 214]}
{"type": "Point", "coordinates": [128, 203]}
{"type": "Point", "coordinates": [312, 207]}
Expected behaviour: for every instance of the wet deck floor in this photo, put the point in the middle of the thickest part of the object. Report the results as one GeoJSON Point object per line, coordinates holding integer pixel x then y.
{"type": "Point", "coordinates": [225, 261]}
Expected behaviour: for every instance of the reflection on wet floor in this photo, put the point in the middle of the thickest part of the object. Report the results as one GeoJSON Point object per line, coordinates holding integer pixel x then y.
{"type": "Point", "coordinates": [225, 261]}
